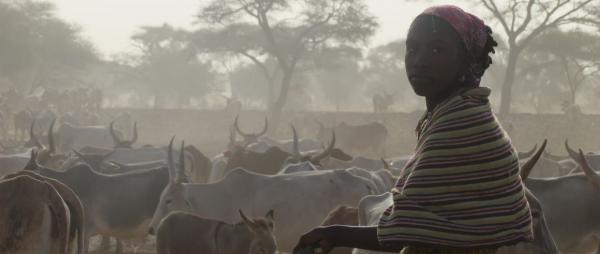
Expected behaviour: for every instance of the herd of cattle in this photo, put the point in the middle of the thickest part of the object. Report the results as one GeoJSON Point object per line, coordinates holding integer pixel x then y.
{"type": "Point", "coordinates": [258, 196]}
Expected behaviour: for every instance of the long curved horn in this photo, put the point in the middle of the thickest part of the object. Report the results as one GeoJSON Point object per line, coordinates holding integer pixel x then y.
{"type": "Point", "coordinates": [386, 165]}
{"type": "Point", "coordinates": [237, 127]}
{"type": "Point", "coordinates": [529, 153]}
{"type": "Point", "coordinates": [36, 142]}
{"type": "Point", "coordinates": [170, 160]}
{"type": "Point", "coordinates": [570, 150]}
{"type": "Point", "coordinates": [181, 177]}
{"type": "Point", "coordinates": [265, 128]}
{"type": "Point", "coordinates": [51, 146]}
{"type": "Point", "coordinates": [105, 156]}
{"type": "Point", "coordinates": [327, 151]}
{"type": "Point", "coordinates": [111, 128]}
{"type": "Point", "coordinates": [246, 220]}
{"type": "Point", "coordinates": [33, 162]}
{"type": "Point", "coordinates": [296, 150]}
{"type": "Point", "coordinates": [135, 134]}
{"type": "Point", "coordinates": [589, 172]}
{"type": "Point", "coordinates": [530, 163]}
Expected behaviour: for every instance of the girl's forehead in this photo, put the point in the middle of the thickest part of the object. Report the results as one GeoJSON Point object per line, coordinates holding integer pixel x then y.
{"type": "Point", "coordinates": [433, 28]}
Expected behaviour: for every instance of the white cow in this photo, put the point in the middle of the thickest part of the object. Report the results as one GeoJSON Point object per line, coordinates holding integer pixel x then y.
{"type": "Point", "coordinates": [301, 200]}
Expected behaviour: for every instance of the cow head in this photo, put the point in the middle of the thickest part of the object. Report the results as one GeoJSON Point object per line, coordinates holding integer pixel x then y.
{"type": "Point", "coordinates": [330, 151]}
{"type": "Point", "coordinates": [250, 138]}
{"type": "Point", "coordinates": [263, 241]}
{"type": "Point", "coordinates": [590, 172]}
{"type": "Point", "coordinates": [46, 154]}
{"type": "Point", "coordinates": [95, 161]}
{"type": "Point", "coordinates": [123, 143]}
{"type": "Point", "coordinates": [174, 196]}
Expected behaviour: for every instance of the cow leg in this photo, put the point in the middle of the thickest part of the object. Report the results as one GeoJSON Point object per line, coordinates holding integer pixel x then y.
{"type": "Point", "coordinates": [105, 244]}
{"type": "Point", "coordinates": [119, 249]}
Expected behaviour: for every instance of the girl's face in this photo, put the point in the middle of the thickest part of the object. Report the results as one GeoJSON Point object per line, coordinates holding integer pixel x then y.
{"type": "Point", "coordinates": [434, 57]}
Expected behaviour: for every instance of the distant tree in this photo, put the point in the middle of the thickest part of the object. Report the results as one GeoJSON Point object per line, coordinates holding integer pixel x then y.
{"type": "Point", "coordinates": [286, 31]}
{"type": "Point", "coordinates": [523, 21]}
{"type": "Point", "coordinates": [168, 67]}
{"type": "Point", "coordinates": [37, 47]}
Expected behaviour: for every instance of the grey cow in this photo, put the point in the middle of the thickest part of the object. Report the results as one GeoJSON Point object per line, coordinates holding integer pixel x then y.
{"type": "Point", "coordinates": [571, 205]}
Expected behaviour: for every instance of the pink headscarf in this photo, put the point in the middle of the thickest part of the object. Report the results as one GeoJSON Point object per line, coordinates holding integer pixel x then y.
{"type": "Point", "coordinates": [471, 30]}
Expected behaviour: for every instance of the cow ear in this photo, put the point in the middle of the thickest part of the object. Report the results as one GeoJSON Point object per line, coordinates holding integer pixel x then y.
{"type": "Point", "coordinates": [249, 222]}
{"type": "Point", "coordinates": [271, 217]}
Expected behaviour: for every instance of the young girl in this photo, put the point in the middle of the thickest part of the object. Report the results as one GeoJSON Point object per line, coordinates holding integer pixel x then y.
{"type": "Point", "coordinates": [461, 191]}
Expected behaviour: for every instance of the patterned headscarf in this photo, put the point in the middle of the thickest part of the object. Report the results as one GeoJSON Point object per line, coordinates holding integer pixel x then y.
{"type": "Point", "coordinates": [473, 33]}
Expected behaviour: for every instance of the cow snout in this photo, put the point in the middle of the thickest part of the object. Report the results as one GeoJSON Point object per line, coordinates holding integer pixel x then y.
{"type": "Point", "coordinates": [151, 231]}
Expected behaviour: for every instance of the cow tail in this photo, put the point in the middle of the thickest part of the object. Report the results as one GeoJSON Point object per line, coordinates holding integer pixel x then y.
{"type": "Point", "coordinates": [162, 246]}
{"type": "Point", "coordinates": [61, 218]}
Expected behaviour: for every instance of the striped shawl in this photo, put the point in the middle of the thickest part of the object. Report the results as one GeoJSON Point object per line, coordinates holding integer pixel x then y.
{"type": "Point", "coordinates": [462, 187]}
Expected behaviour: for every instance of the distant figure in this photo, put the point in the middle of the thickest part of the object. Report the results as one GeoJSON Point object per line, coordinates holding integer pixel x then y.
{"type": "Point", "coordinates": [572, 111]}
{"type": "Point", "coordinates": [382, 102]}
{"type": "Point", "coordinates": [233, 106]}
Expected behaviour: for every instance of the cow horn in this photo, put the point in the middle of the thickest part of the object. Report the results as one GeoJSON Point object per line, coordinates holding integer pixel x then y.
{"type": "Point", "coordinates": [246, 220]}
{"type": "Point", "coordinates": [111, 128]}
{"type": "Point", "coordinates": [386, 165]}
{"type": "Point", "coordinates": [530, 163]}
{"type": "Point", "coordinates": [529, 153]}
{"type": "Point", "coordinates": [181, 177]}
{"type": "Point", "coordinates": [296, 149]}
{"type": "Point", "coordinates": [327, 151]}
{"type": "Point", "coordinates": [135, 134]}
{"type": "Point", "coordinates": [572, 153]}
{"type": "Point", "coordinates": [51, 146]}
{"type": "Point", "coordinates": [170, 159]}
{"type": "Point", "coordinates": [265, 128]}
{"type": "Point", "coordinates": [33, 162]}
{"type": "Point", "coordinates": [105, 156]}
{"type": "Point", "coordinates": [232, 136]}
{"type": "Point", "coordinates": [237, 127]}
{"type": "Point", "coordinates": [589, 172]}
{"type": "Point", "coordinates": [32, 135]}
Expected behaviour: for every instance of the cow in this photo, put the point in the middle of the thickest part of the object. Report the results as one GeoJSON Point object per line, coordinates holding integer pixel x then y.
{"type": "Point", "coordinates": [118, 205]}
{"type": "Point", "coordinates": [34, 217]}
{"type": "Point", "coordinates": [271, 161]}
{"type": "Point", "coordinates": [21, 122]}
{"type": "Point", "coordinates": [358, 138]}
{"type": "Point", "coordinates": [119, 143]}
{"type": "Point", "coordinates": [381, 102]}
{"type": "Point", "coordinates": [182, 232]}
{"type": "Point", "coordinates": [570, 204]}
{"type": "Point", "coordinates": [314, 194]}
{"type": "Point", "coordinates": [342, 215]}
{"type": "Point", "coordinates": [250, 138]}
{"type": "Point", "coordinates": [77, 227]}
{"type": "Point", "coordinates": [76, 137]}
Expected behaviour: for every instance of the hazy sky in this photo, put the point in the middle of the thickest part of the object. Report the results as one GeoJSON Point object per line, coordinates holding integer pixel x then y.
{"type": "Point", "coordinates": [110, 23]}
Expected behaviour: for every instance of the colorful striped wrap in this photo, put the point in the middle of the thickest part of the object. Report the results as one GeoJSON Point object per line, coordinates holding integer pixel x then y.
{"type": "Point", "coordinates": [462, 187]}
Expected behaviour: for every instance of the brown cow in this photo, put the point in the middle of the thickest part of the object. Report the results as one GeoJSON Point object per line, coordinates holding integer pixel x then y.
{"type": "Point", "coordinates": [70, 198]}
{"type": "Point", "coordinates": [34, 217]}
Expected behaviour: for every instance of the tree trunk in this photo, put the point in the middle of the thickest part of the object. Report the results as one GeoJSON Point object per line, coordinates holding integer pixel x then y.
{"type": "Point", "coordinates": [509, 78]}
{"type": "Point", "coordinates": [277, 107]}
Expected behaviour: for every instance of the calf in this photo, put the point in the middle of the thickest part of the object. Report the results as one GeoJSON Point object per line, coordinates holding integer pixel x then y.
{"type": "Point", "coordinates": [182, 232]}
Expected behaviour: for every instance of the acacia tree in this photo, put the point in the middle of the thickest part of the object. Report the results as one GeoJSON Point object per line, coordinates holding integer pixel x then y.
{"type": "Point", "coordinates": [37, 46]}
{"type": "Point", "coordinates": [524, 20]}
{"type": "Point", "coordinates": [287, 30]}
{"type": "Point", "coordinates": [166, 61]}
